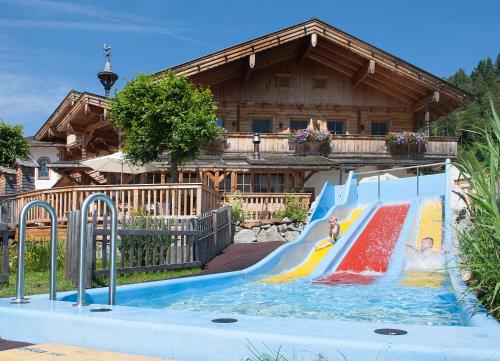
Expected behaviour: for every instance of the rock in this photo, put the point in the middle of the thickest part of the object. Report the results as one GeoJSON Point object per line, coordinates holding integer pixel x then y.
{"type": "Point", "coordinates": [256, 230]}
{"type": "Point", "coordinates": [270, 234]}
{"type": "Point", "coordinates": [265, 226]}
{"type": "Point", "coordinates": [245, 236]}
{"type": "Point", "coordinates": [296, 226]}
{"type": "Point", "coordinates": [291, 235]}
{"type": "Point", "coordinates": [237, 229]}
{"type": "Point", "coordinates": [282, 227]}
{"type": "Point", "coordinates": [286, 220]}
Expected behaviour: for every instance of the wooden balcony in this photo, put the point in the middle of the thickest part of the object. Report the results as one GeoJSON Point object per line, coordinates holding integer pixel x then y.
{"type": "Point", "coordinates": [346, 146]}
{"type": "Point", "coordinates": [183, 200]}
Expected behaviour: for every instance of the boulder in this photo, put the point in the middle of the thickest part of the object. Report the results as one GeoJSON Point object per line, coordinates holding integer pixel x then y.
{"type": "Point", "coordinates": [286, 220]}
{"type": "Point", "coordinates": [245, 236]}
{"type": "Point", "coordinates": [296, 226]}
{"type": "Point", "coordinates": [265, 226]}
{"type": "Point", "coordinates": [270, 234]}
{"type": "Point", "coordinates": [291, 235]}
{"type": "Point", "coordinates": [256, 230]}
{"type": "Point", "coordinates": [282, 227]}
{"type": "Point", "coordinates": [237, 229]}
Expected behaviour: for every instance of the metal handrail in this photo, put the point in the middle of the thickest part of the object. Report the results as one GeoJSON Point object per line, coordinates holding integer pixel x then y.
{"type": "Point", "coordinates": [402, 168]}
{"type": "Point", "coordinates": [21, 253]}
{"type": "Point", "coordinates": [82, 277]}
{"type": "Point", "coordinates": [417, 167]}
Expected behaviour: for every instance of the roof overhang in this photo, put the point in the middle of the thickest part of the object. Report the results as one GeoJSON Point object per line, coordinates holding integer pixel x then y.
{"type": "Point", "coordinates": [323, 43]}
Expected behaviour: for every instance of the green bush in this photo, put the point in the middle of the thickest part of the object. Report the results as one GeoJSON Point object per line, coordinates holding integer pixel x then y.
{"type": "Point", "coordinates": [294, 210]}
{"type": "Point", "coordinates": [236, 202]}
{"type": "Point", "coordinates": [37, 255]}
{"type": "Point", "coordinates": [480, 243]}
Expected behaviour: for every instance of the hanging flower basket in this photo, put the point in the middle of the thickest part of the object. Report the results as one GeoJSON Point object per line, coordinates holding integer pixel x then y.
{"type": "Point", "coordinates": [405, 143]}
{"type": "Point", "coordinates": [309, 142]}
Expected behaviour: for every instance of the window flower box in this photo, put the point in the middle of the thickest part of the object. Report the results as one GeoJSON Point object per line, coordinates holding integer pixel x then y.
{"type": "Point", "coordinates": [309, 142]}
{"type": "Point", "coordinates": [405, 143]}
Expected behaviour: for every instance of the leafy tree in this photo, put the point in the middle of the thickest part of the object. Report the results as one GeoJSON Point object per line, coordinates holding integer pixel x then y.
{"type": "Point", "coordinates": [166, 118]}
{"type": "Point", "coordinates": [13, 145]}
{"type": "Point", "coordinates": [484, 84]}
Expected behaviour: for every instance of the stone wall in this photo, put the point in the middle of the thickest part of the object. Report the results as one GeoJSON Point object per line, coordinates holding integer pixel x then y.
{"type": "Point", "coordinates": [284, 231]}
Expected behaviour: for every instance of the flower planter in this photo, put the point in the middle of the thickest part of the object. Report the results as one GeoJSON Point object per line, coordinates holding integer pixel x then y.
{"type": "Point", "coordinates": [311, 148]}
{"type": "Point", "coordinates": [216, 147]}
{"type": "Point", "coordinates": [406, 149]}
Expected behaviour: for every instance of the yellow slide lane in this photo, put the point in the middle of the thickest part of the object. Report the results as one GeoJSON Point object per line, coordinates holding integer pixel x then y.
{"type": "Point", "coordinates": [305, 268]}
{"type": "Point", "coordinates": [431, 225]}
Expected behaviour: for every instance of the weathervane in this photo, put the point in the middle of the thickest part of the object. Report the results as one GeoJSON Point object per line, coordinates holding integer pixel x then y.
{"type": "Point", "coordinates": [107, 77]}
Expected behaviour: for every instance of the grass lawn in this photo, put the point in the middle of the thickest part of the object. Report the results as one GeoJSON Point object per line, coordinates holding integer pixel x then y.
{"type": "Point", "coordinates": [38, 282]}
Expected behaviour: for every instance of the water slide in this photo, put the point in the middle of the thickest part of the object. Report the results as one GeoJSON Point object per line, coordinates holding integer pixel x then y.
{"type": "Point", "coordinates": [370, 254]}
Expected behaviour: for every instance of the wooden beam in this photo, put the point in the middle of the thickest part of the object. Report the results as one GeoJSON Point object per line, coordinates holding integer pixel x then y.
{"type": "Point", "coordinates": [428, 99]}
{"type": "Point", "coordinates": [329, 63]}
{"type": "Point", "coordinates": [251, 66]}
{"type": "Point", "coordinates": [313, 41]}
{"type": "Point", "coordinates": [365, 71]}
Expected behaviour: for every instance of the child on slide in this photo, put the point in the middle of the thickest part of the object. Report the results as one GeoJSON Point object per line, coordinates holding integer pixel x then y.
{"type": "Point", "coordinates": [334, 233]}
{"type": "Point", "coordinates": [426, 258]}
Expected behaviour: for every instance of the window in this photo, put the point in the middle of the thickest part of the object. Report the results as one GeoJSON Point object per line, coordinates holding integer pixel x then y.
{"type": "Point", "coordinates": [298, 124]}
{"type": "Point", "coordinates": [219, 122]}
{"type": "Point", "coordinates": [225, 183]}
{"type": "Point", "coordinates": [260, 183]}
{"type": "Point", "coordinates": [190, 177]}
{"type": "Point", "coordinates": [277, 183]}
{"type": "Point", "coordinates": [261, 126]}
{"type": "Point", "coordinates": [43, 170]}
{"type": "Point", "coordinates": [282, 80]}
{"type": "Point", "coordinates": [153, 178]}
{"type": "Point", "coordinates": [379, 128]}
{"type": "Point", "coordinates": [243, 182]}
{"type": "Point", "coordinates": [335, 126]}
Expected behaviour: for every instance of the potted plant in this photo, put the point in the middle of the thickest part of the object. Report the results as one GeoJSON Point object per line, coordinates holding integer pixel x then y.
{"type": "Point", "coordinates": [405, 142]}
{"type": "Point", "coordinates": [322, 140]}
{"type": "Point", "coordinates": [300, 140]}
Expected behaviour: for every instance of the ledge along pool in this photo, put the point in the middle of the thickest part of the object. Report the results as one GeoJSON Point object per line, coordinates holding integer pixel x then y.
{"type": "Point", "coordinates": [300, 300]}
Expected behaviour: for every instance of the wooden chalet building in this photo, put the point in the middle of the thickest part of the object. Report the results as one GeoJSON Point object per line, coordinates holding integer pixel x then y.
{"type": "Point", "coordinates": [310, 75]}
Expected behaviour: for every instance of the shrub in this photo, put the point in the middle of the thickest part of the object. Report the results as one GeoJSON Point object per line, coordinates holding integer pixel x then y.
{"type": "Point", "coordinates": [480, 243]}
{"type": "Point", "coordinates": [37, 257]}
{"type": "Point", "coordinates": [235, 201]}
{"type": "Point", "coordinates": [294, 209]}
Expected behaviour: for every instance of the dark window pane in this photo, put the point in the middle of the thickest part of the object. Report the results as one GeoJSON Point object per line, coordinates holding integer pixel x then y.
{"type": "Point", "coordinates": [219, 122]}
{"type": "Point", "coordinates": [336, 127]}
{"type": "Point", "coordinates": [298, 124]}
{"type": "Point", "coordinates": [243, 182]}
{"type": "Point", "coordinates": [43, 171]}
{"type": "Point", "coordinates": [260, 183]}
{"type": "Point", "coordinates": [379, 128]}
{"type": "Point", "coordinates": [261, 126]}
{"type": "Point", "coordinates": [277, 183]}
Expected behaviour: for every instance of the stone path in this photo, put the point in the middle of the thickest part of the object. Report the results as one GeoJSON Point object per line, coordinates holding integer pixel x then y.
{"type": "Point", "coordinates": [239, 256]}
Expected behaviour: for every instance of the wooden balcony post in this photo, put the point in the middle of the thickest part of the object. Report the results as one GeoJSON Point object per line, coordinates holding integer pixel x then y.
{"type": "Point", "coordinates": [199, 204]}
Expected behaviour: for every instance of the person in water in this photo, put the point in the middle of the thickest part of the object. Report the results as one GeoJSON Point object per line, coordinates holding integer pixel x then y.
{"type": "Point", "coordinates": [334, 233]}
{"type": "Point", "coordinates": [425, 257]}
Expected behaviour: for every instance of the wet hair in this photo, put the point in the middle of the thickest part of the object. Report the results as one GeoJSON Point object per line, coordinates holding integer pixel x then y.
{"type": "Point", "coordinates": [427, 238]}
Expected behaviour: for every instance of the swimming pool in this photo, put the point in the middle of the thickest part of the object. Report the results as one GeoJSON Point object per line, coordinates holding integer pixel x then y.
{"type": "Point", "coordinates": [378, 302]}
{"type": "Point", "coordinates": [301, 318]}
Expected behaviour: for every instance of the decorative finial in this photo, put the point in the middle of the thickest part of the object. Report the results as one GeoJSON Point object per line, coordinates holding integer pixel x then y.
{"type": "Point", "coordinates": [107, 77]}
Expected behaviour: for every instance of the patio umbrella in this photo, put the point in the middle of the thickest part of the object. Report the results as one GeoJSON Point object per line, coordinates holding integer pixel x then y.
{"type": "Point", "coordinates": [117, 163]}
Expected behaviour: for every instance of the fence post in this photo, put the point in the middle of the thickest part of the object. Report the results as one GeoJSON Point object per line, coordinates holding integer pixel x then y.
{"type": "Point", "coordinates": [215, 227]}
{"type": "Point", "coordinates": [230, 223]}
{"type": "Point", "coordinates": [199, 200]}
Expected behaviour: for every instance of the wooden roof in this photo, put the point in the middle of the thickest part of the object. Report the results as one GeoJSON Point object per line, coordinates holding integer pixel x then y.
{"type": "Point", "coordinates": [321, 42]}
{"type": "Point", "coordinates": [77, 111]}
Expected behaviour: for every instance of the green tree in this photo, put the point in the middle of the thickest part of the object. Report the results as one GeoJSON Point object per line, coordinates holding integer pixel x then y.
{"type": "Point", "coordinates": [164, 118]}
{"type": "Point", "coordinates": [13, 145]}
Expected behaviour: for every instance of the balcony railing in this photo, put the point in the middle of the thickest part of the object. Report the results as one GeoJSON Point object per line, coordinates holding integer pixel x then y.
{"type": "Point", "coordinates": [345, 146]}
{"type": "Point", "coordinates": [183, 200]}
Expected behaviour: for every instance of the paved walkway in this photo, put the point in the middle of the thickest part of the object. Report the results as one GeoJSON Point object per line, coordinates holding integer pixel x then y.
{"type": "Point", "coordinates": [239, 256]}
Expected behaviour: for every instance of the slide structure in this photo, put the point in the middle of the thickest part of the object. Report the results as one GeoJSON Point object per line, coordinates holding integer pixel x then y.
{"type": "Point", "coordinates": [371, 252]}
{"type": "Point", "coordinates": [315, 256]}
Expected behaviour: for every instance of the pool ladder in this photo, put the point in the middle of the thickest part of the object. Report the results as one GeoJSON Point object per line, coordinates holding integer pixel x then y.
{"type": "Point", "coordinates": [82, 269]}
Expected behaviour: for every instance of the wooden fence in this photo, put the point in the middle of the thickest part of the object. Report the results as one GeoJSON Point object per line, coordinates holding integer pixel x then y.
{"type": "Point", "coordinates": [4, 253]}
{"type": "Point", "coordinates": [148, 244]}
{"type": "Point", "coordinates": [180, 200]}
{"type": "Point", "coordinates": [263, 206]}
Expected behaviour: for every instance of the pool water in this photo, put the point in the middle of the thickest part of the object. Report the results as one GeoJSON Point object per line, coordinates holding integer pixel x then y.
{"type": "Point", "coordinates": [379, 301]}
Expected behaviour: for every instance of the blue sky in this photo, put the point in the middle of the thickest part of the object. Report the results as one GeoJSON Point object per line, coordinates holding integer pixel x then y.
{"type": "Point", "coordinates": [49, 47]}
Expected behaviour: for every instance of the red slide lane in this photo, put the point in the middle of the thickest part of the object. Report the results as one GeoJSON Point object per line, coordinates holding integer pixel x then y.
{"type": "Point", "coordinates": [373, 249]}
